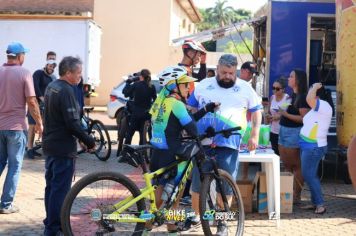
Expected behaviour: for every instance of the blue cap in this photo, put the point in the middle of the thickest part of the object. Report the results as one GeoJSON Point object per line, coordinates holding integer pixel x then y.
{"type": "Point", "coordinates": [15, 48]}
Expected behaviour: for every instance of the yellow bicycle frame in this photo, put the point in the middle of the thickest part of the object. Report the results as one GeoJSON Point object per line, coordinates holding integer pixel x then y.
{"type": "Point", "coordinates": [148, 193]}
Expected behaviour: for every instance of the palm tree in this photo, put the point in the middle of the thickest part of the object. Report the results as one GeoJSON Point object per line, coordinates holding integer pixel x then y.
{"type": "Point", "coordinates": [221, 14]}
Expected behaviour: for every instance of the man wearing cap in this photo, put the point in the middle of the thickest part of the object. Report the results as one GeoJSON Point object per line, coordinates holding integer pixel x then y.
{"type": "Point", "coordinates": [236, 97]}
{"type": "Point", "coordinates": [41, 79]}
{"type": "Point", "coordinates": [16, 89]}
{"type": "Point", "coordinates": [247, 70]}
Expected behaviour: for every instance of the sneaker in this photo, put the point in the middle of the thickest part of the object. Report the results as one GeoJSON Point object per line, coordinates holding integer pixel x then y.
{"type": "Point", "coordinates": [222, 230]}
{"type": "Point", "coordinates": [188, 223]}
{"type": "Point", "coordinates": [11, 209]}
{"type": "Point", "coordinates": [37, 154]}
{"type": "Point", "coordinates": [30, 154]}
{"type": "Point", "coordinates": [187, 201]}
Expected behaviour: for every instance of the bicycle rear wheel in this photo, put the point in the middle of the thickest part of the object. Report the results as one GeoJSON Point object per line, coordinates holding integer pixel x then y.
{"type": "Point", "coordinates": [102, 140]}
{"type": "Point", "coordinates": [213, 213]}
{"type": "Point", "coordinates": [95, 195]}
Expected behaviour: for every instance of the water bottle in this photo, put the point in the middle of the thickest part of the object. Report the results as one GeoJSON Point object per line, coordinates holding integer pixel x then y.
{"type": "Point", "coordinates": [168, 189]}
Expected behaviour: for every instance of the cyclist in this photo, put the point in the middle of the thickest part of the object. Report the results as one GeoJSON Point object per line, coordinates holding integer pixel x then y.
{"type": "Point", "coordinates": [169, 118]}
{"type": "Point", "coordinates": [194, 53]}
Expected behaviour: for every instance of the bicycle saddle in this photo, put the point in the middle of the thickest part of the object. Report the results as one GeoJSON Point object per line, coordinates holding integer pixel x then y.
{"type": "Point", "coordinates": [88, 109]}
{"type": "Point", "coordinates": [137, 147]}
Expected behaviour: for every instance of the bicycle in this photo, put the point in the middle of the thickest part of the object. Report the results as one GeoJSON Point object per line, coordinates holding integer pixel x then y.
{"type": "Point", "coordinates": [98, 131]}
{"type": "Point", "coordinates": [119, 205]}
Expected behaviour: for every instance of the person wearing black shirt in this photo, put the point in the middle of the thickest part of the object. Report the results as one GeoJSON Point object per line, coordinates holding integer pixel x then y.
{"type": "Point", "coordinates": [61, 129]}
{"type": "Point", "coordinates": [291, 122]}
{"type": "Point", "coordinates": [143, 94]}
{"type": "Point", "coordinates": [41, 79]}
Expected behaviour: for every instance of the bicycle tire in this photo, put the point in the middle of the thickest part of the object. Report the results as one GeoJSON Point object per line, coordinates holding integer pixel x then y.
{"type": "Point", "coordinates": [103, 142]}
{"type": "Point", "coordinates": [75, 194]}
{"type": "Point", "coordinates": [206, 192]}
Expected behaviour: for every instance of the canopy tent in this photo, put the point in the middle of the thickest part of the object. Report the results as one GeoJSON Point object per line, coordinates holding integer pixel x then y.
{"type": "Point", "coordinates": [218, 33]}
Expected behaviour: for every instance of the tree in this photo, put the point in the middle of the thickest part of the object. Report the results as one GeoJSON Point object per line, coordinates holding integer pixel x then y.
{"type": "Point", "coordinates": [240, 47]}
{"type": "Point", "coordinates": [220, 15]}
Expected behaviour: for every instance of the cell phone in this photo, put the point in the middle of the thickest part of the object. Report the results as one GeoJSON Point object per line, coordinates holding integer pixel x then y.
{"type": "Point", "coordinates": [264, 99]}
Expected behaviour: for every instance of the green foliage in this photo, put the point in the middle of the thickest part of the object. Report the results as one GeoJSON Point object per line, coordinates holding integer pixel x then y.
{"type": "Point", "coordinates": [240, 48]}
{"type": "Point", "coordinates": [221, 15]}
{"type": "Point", "coordinates": [210, 46]}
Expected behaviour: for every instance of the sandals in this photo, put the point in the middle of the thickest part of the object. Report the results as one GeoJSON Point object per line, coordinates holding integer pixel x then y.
{"type": "Point", "coordinates": [320, 210]}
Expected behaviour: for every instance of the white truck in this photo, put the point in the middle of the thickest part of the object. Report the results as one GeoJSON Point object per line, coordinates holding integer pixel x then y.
{"type": "Point", "coordinates": [66, 37]}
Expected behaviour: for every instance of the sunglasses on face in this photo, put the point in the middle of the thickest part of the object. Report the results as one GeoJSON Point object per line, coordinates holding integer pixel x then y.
{"type": "Point", "coordinates": [276, 88]}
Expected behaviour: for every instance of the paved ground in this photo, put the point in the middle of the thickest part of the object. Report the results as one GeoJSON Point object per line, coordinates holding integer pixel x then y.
{"type": "Point", "coordinates": [340, 218]}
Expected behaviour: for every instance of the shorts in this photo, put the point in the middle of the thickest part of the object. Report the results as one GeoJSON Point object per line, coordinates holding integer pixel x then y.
{"type": "Point", "coordinates": [289, 137]}
{"type": "Point", "coordinates": [226, 159]}
{"type": "Point", "coordinates": [30, 119]}
{"type": "Point", "coordinates": [161, 158]}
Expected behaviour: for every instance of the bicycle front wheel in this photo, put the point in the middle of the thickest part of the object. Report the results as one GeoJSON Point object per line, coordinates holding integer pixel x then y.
{"type": "Point", "coordinates": [214, 214]}
{"type": "Point", "coordinates": [102, 140]}
{"type": "Point", "coordinates": [94, 197]}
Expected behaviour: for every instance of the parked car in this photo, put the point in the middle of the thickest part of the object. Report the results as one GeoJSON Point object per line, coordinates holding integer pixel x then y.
{"type": "Point", "coordinates": [118, 100]}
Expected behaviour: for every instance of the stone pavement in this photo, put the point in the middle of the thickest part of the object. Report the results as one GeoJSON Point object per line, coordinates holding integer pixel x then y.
{"type": "Point", "coordinates": [339, 219]}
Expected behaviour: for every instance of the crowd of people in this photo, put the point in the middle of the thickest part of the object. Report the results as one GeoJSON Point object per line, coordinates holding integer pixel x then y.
{"type": "Point", "coordinates": [299, 122]}
{"type": "Point", "coordinates": [57, 122]}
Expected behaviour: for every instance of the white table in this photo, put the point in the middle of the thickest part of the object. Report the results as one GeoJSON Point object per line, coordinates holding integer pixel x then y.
{"type": "Point", "coordinates": [271, 165]}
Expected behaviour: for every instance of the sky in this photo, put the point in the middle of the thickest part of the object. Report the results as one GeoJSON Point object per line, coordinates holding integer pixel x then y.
{"type": "Point", "coordinates": [252, 5]}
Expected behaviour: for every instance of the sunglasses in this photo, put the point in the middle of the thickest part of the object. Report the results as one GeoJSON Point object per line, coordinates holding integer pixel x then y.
{"type": "Point", "coordinates": [276, 88]}
{"type": "Point", "coordinates": [186, 85]}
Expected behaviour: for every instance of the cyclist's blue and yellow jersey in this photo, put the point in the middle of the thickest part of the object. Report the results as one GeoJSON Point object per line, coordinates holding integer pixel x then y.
{"type": "Point", "coordinates": [168, 122]}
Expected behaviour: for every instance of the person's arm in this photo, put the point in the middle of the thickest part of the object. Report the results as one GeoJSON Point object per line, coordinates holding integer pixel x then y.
{"type": "Point", "coordinates": [71, 115]}
{"type": "Point", "coordinates": [303, 108]}
{"type": "Point", "coordinates": [154, 93]}
{"type": "Point", "coordinates": [256, 118]}
{"type": "Point", "coordinates": [254, 107]}
{"type": "Point", "coordinates": [201, 74]}
{"type": "Point", "coordinates": [34, 110]}
{"type": "Point", "coordinates": [128, 89]}
{"type": "Point", "coordinates": [311, 97]}
{"type": "Point", "coordinates": [295, 118]}
{"type": "Point", "coordinates": [210, 107]}
{"type": "Point", "coordinates": [36, 83]}
{"type": "Point", "coordinates": [32, 104]}
{"type": "Point", "coordinates": [181, 113]}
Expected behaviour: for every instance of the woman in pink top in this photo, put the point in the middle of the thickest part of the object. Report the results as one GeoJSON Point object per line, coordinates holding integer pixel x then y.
{"type": "Point", "coordinates": [278, 100]}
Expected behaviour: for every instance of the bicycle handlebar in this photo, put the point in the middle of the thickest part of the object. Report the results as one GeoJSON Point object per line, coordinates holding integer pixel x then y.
{"type": "Point", "coordinates": [210, 132]}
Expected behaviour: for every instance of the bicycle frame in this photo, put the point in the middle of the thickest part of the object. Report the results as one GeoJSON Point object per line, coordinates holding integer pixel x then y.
{"type": "Point", "coordinates": [148, 193]}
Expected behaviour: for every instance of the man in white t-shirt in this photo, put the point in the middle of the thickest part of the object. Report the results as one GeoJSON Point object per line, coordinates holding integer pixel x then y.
{"type": "Point", "coordinates": [236, 98]}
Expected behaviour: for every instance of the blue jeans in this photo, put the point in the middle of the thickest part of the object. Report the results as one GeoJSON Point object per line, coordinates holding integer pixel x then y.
{"type": "Point", "coordinates": [59, 174]}
{"type": "Point", "coordinates": [310, 158]}
{"type": "Point", "coordinates": [12, 149]}
{"type": "Point", "coordinates": [226, 159]}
